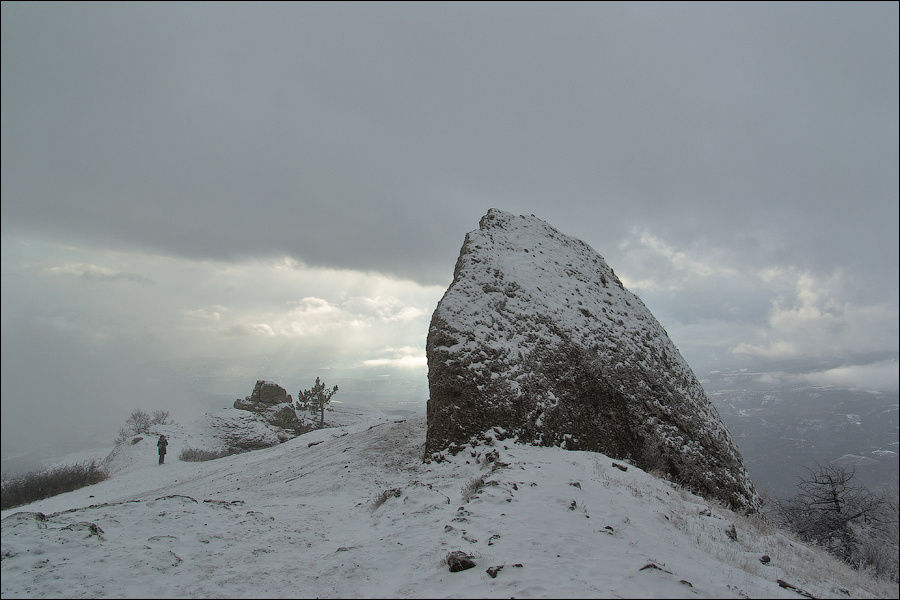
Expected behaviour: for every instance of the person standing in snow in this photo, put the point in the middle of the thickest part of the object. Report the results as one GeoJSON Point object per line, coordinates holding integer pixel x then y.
{"type": "Point", "coordinates": [161, 444]}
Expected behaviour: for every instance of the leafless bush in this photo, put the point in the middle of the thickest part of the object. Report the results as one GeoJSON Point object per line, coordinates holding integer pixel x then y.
{"type": "Point", "coordinates": [139, 422]}
{"type": "Point", "coordinates": [159, 417]}
{"type": "Point", "coordinates": [37, 485]}
{"type": "Point", "coordinates": [849, 520]}
{"type": "Point", "coordinates": [383, 497]}
{"type": "Point", "coordinates": [198, 455]}
{"type": "Point", "coordinates": [471, 488]}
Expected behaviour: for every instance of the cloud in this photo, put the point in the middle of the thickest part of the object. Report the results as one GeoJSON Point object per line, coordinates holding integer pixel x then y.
{"type": "Point", "coordinates": [778, 349]}
{"type": "Point", "coordinates": [407, 357]}
{"type": "Point", "coordinates": [881, 375]}
{"type": "Point", "coordinates": [873, 376]}
{"type": "Point", "coordinates": [777, 318]}
{"type": "Point", "coordinates": [199, 337]}
{"type": "Point", "coordinates": [313, 317]}
{"type": "Point", "coordinates": [673, 268]}
{"type": "Point", "coordinates": [91, 272]}
{"type": "Point", "coordinates": [214, 312]}
{"type": "Point", "coordinates": [250, 329]}
{"type": "Point", "coordinates": [629, 116]}
{"type": "Point", "coordinates": [820, 316]}
{"type": "Point", "coordinates": [295, 180]}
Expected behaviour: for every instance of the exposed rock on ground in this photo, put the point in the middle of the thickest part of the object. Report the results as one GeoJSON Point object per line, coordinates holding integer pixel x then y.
{"type": "Point", "coordinates": [537, 335]}
{"type": "Point", "coordinates": [459, 561]}
{"type": "Point", "coordinates": [275, 406]}
{"type": "Point", "coordinates": [240, 430]}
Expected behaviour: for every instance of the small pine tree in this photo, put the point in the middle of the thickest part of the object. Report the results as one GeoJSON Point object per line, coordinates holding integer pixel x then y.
{"type": "Point", "coordinates": [316, 399]}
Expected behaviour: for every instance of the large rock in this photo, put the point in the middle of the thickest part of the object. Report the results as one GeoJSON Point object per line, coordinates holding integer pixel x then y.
{"type": "Point", "coordinates": [274, 405]}
{"type": "Point", "coordinates": [241, 430]}
{"type": "Point", "coordinates": [537, 335]}
{"type": "Point", "coordinates": [267, 392]}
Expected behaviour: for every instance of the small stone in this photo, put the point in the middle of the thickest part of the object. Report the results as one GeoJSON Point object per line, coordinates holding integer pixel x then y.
{"type": "Point", "coordinates": [459, 561]}
{"type": "Point", "coordinates": [492, 571]}
{"type": "Point", "coordinates": [765, 559]}
{"type": "Point", "coordinates": [654, 566]}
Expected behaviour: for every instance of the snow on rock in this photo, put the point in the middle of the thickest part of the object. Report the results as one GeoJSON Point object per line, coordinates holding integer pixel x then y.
{"type": "Point", "coordinates": [353, 512]}
{"type": "Point", "coordinates": [276, 407]}
{"type": "Point", "coordinates": [536, 334]}
{"type": "Point", "coordinates": [239, 429]}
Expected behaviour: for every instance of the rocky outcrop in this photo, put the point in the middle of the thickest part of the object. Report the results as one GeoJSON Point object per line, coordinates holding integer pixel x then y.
{"type": "Point", "coordinates": [268, 393]}
{"type": "Point", "coordinates": [274, 406]}
{"type": "Point", "coordinates": [241, 430]}
{"type": "Point", "coordinates": [538, 336]}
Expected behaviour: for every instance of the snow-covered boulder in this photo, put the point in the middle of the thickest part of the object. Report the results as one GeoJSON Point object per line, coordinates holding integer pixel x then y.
{"type": "Point", "coordinates": [240, 429]}
{"type": "Point", "coordinates": [538, 336]}
{"type": "Point", "coordinates": [275, 406]}
{"type": "Point", "coordinates": [270, 393]}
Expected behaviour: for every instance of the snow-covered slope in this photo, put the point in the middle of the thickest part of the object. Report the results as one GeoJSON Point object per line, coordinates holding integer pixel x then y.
{"type": "Point", "coordinates": [537, 334]}
{"type": "Point", "coordinates": [218, 431]}
{"type": "Point", "coordinates": [353, 511]}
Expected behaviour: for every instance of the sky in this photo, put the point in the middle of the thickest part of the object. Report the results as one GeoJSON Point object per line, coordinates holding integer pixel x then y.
{"type": "Point", "coordinates": [199, 195]}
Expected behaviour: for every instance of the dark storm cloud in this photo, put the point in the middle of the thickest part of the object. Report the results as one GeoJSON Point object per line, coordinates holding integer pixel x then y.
{"type": "Point", "coordinates": [374, 136]}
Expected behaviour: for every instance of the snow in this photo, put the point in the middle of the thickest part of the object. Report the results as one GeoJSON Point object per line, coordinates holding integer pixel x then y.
{"type": "Point", "coordinates": [352, 511]}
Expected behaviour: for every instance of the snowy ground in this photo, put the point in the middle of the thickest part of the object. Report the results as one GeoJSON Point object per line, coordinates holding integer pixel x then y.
{"type": "Point", "coordinates": [352, 511]}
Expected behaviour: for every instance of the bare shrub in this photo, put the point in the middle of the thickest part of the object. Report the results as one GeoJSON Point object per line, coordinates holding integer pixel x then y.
{"type": "Point", "coordinates": [653, 461]}
{"type": "Point", "coordinates": [38, 485]}
{"type": "Point", "coordinates": [383, 497]}
{"type": "Point", "coordinates": [123, 435]}
{"type": "Point", "coordinates": [849, 520]}
{"type": "Point", "coordinates": [471, 488]}
{"type": "Point", "coordinates": [160, 417]}
{"type": "Point", "coordinates": [198, 455]}
{"type": "Point", "coordinates": [139, 422]}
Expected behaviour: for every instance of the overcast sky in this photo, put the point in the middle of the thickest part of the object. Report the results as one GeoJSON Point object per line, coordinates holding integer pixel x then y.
{"type": "Point", "coordinates": [195, 196]}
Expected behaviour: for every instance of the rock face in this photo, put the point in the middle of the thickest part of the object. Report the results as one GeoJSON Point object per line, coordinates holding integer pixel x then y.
{"type": "Point", "coordinates": [240, 430]}
{"type": "Point", "coordinates": [274, 405]}
{"type": "Point", "coordinates": [267, 392]}
{"type": "Point", "coordinates": [538, 336]}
